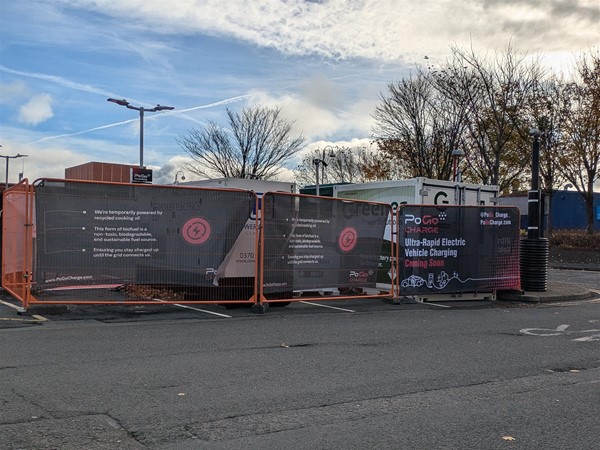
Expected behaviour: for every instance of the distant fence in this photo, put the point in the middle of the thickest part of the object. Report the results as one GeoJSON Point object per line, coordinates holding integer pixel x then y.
{"type": "Point", "coordinates": [69, 241]}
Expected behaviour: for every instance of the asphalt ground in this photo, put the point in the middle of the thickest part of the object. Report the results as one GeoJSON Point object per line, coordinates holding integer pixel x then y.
{"type": "Point", "coordinates": [472, 375]}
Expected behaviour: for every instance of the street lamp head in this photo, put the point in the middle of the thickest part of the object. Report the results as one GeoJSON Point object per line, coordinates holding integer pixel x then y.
{"type": "Point", "coordinates": [458, 153]}
{"type": "Point", "coordinates": [534, 132]}
{"type": "Point", "coordinates": [177, 175]}
{"type": "Point", "coordinates": [163, 108]}
{"type": "Point", "coordinates": [122, 102]}
{"type": "Point", "coordinates": [328, 148]}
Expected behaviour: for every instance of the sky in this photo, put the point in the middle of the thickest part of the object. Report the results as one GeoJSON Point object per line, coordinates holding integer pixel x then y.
{"type": "Point", "coordinates": [324, 62]}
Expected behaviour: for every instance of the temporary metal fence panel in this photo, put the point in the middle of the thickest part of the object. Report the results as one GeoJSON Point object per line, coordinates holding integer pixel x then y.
{"type": "Point", "coordinates": [315, 246]}
{"type": "Point", "coordinates": [17, 232]}
{"type": "Point", "coordinates": [457, 249]}
{"type": "Point", "coordinates": [131, 243]}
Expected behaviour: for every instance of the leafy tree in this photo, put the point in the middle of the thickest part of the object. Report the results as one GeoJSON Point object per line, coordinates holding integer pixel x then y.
{"type": "Point", "coordinates": [580, 158]}
{"type": "Point", "coordinates": [494, 93]}
{"type": "Point", "coordinates": [256, 145]}
{"type": "Point", "coordinates": [474, 104]}
{"type": "Point", "coordinates": [344, 165]}
{"type": "Point", "coordinates": [548, 110]}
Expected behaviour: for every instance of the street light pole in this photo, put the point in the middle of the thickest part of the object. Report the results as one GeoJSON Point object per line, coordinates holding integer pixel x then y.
{"type": "Point", "coordinates": [141, 110]}
{"type": "Point", "coordinates": [6, 157]}
{"type": "Point", "coordinates": [533, 256]}
{"type": "Point", "coordinates": [533, 211]}
{"type": "Point", "coordinates": [316, 162]}
{"type": "Point", "coordinates": [456, 155]}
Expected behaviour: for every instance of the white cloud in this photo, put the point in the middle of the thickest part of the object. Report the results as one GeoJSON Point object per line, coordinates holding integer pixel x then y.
{"type": "Point", "coordinates": [385, 30]}
{"type": "Point", "coordinates": [36, 110]}
{"type": "Point", "coordinates": [321, 113]}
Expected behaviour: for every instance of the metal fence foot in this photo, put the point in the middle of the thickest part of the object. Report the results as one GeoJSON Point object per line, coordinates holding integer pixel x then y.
{"type": "Point", "coordinates": [260, 308]}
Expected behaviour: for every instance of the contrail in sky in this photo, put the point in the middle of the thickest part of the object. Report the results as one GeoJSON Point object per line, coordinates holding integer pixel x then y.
{"type": "Point", "coordinates": [47, 138]}
{"type": "Point", "coordinates": [94, 90]}
{"type": "Point", "coordinates": [110, 125]}
{"type": "Point", "coordinates": [61, 81]}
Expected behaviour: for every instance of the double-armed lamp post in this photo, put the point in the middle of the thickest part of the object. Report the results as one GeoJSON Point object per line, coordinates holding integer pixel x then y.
{"type": "Point", "coordinates": [7, 158]}
{"type": "Point", "coordinates": [321, 161]}
{"type": "Point", "coordinates": [141, 110]}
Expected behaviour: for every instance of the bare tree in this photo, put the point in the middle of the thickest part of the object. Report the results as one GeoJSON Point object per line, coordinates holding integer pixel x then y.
{"type": "Point", "coordinates": [256, 145]}
{"type": "Point", "coordinates": [416, 127]}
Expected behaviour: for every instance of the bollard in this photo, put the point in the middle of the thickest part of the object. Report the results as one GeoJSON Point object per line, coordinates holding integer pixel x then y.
{"type": "Point", "coordinates": [534, 264]}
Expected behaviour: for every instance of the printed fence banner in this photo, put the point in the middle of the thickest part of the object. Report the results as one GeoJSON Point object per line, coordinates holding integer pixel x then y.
{"type": "Point", "coordinates": [105, 234]}
{"type": "Point", "coordinates": [454, 249]}
{"type": "Point", "coordinates": [313, 243]}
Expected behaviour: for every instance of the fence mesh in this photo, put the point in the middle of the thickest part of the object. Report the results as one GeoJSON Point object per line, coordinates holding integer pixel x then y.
{"type": "Point", "coordinates": [319, 245]}
{"type": "Point", "coordinates": [124, 242]}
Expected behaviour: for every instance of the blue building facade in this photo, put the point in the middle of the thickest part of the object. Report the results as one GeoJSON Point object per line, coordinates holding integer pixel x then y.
{"type": "Point", "coordinates": [568, 211]}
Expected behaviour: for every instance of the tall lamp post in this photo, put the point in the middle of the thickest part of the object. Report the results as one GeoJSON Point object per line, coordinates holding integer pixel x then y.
{"type": "Point", "coordinates": [321, 161]}
{"type": "Point", "coordinates": [534, 248]}
{"type": "Point", "coordinates": [533, 202]}
{"type": "Point", "coordinates": [141, 110]}
{"type": "Point", "coordinates": [7, 158]}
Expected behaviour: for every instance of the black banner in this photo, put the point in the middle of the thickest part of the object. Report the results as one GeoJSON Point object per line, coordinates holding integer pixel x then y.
{"type": "Point", "coordinates": [456, 249]}
{"type": "Point", "coordinates": [315, 243]}
{"type": "Point", "coordinates": [141, 175]}
{"type": "Point", "coordinates": [94, 234]}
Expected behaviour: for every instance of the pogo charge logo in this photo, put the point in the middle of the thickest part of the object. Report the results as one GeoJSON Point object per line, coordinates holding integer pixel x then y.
{"type": "Point", "coordinates": [427, 224]}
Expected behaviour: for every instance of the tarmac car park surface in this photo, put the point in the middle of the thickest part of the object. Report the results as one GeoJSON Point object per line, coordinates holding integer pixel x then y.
{"type": "Point", "coordinates": [349, 374]}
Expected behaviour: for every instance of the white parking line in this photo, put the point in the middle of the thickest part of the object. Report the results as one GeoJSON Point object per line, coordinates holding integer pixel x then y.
{"type": "Point", "coordinates": [18, 308]}
{"type": "Point", "coordinates": [327, 306]}
{"type": "Point", "coordinates": [195, 309]}
{"type": "Point", "coordinates": [433, 304]}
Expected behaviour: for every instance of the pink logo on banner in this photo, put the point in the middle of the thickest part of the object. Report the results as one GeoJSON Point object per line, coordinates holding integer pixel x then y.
{"type": "Point", "coordinates": [196, 231]}
{"type": "Point", "coordinates": [348, 239]}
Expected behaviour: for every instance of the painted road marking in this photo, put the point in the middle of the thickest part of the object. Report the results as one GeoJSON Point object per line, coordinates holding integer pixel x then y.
{"type": "Point", "coordinates": [536, 331]}
{"type": "Point", "coordinates": [433, 304]}
{"type": "Point", "coordinates": [195, 309]}
{"type": "Point", "coordinates": [327, 306]}
{"type": "Point", "coordinates": [593, 337]}
{"type": "Point", "coordinates": [18, 308]}
{"type": "Point", "coordinates": [562, 330]}
{"type": "Point", "coordinates": [35, 319]}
